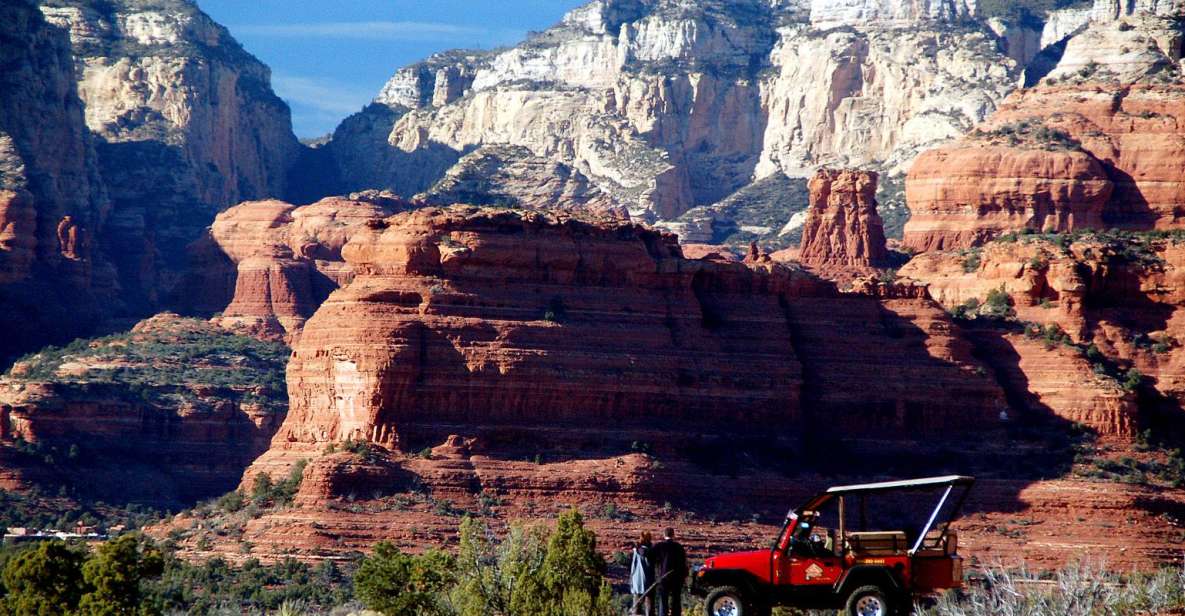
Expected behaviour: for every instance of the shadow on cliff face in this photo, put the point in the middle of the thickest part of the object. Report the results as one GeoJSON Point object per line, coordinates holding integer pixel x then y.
{"type": "Point", "coordinates": [141, 456]}
{"type": "Point", "coordinates": [1117, 300]}
{"type": "Point", "coordinates": [1128, 208]}
{"type": "Point", "coordinates": [360, 157]}
{"type": "Point", "coordinates": [876, 403]}
{"type": "Point", "coordinates": [146, 233]}
{"type": "Point", "coordinates": [34, 314]}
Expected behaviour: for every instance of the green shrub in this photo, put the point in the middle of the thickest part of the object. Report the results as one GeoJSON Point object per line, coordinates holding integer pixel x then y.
{"type": "Point", "coordinates": [116, 574]}
{"type": "Point", "coordinates": [532, 571]}
{"type": "Point", "coordinates": [266, 493]}
{"type": "Point", "coordinates": [971, 261]}
{"type": "Point", "coordinates": [1132, 380]}
{"type": "Point", "coordinates": [46, 579]}
{"type": "Point", "coordinates": [363, 449]}
{"type": "Point", "coordinates": [393, 583]}
{"type": "Point", "coordinates": [998, 304]}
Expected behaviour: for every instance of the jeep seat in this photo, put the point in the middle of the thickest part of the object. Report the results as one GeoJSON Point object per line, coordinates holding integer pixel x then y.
{"type": "Point", "coordinates": [879, 543]}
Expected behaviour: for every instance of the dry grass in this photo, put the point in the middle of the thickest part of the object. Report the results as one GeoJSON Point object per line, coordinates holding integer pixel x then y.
{"type": "Point", "coordinates": [1082, 589]}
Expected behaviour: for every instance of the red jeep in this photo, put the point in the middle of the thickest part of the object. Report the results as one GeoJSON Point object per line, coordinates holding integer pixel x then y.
{"type": "Point", "coordinates": [828, 557]}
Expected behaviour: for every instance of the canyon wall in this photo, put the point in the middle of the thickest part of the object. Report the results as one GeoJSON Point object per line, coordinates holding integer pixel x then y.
{"type": "Point", "coordinates": [186, 124]}
{"type": "Point", "coordinates": [1097, 143]}
{"type": "Point", "coordinates": [52, 201]}
{"type": "Point", "coordinates": [166, 414]}
{"type": "Point", "coordinates": [521, 363]}
{"type": "Point", "coordinates": [267, 265]}
{"type": "Point", "coordinates": [668, 106]}
{"type": "Point", "coordinates": [124, 129]}
{"type": "Point", "coordinates": [1110, 304]}
{"type": "Point", "coordinates": [493, 324]}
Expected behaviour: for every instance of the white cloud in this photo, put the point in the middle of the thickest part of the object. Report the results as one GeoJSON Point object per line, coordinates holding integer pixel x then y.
{"type": "Point", "coordinates": [374, 30]}
{"type": "Point", "coordinates": [319, 94]}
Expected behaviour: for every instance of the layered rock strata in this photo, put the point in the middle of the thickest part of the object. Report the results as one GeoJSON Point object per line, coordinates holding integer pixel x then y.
{"type": "Point", "coordinates": [186, 124]}
{"type": "Point", "coordinates": [537, 363]}
{"type": "Point", "coordinates": [166, 414]}
{"type": "Point", "coordinates": [843, 229]}
{"type": "Point", "coordinates": [496, 323]}
{"type": "Point", "coordinates": [280, 260]}
{"type": "Point", "coordinates": [1096, 144]}
{"type": "Point", "coordinates": [671, 105]}
{"type": "Point", "coordinates": [1111, 303]}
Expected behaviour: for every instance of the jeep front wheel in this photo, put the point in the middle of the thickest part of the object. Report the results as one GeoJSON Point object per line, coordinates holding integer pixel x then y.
{"type": "Point", "coordinates": [724, 601]}
{"type": "Point", "coordinates": [868, 601]}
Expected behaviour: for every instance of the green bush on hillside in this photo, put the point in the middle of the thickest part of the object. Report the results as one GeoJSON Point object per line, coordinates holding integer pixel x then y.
{"type": "Point", "coordinates": [165, 365]}
{"type": "Point", "coordinates": [1029, 12]}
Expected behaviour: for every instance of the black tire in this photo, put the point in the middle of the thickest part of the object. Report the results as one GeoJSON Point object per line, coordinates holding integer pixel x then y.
{"type": "Point", "coordinates": [870, 601]}
{"type": "Point", "coordinates": [725, 601]}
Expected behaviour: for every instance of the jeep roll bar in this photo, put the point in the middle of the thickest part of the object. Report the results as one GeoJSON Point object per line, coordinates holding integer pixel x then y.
{"type": "Point", "coordinates": [949, 481]}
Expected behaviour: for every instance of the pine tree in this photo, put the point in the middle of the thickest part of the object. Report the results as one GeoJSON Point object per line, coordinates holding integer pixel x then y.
{"type": "Point", "coordinates": [115, 573]}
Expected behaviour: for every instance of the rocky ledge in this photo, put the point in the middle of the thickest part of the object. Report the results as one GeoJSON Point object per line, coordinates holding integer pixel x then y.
{"type": "Point", "coordinates": [167, 413]}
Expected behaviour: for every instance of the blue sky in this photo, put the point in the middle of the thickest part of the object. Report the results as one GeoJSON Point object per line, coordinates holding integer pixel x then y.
{"type": "Point", "coordinates": [329, 58]}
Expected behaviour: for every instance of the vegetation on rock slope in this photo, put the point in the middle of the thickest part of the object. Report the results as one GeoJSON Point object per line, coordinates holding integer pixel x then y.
{"type": "Point", "coordinates": [528, 570]}
{"type": "Point", "coordinates": [166, 361]}
{"type": "Point", "coordinates": [1030, 12]}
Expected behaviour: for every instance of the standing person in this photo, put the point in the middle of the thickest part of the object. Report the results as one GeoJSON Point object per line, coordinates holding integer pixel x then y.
{"type": "Point", "coordinates": [642, 577]}
{"type": "Point", "coordinates": [670, 567]}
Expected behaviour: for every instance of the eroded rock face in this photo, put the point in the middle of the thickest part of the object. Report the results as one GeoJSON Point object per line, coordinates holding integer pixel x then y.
{"type": "Point", "coordinates": [514, 177]}
{"type": "Point", "coordinates": [1097, 143]}
{"type": "Point", "coordinates": [525, 356]}
{"type": "Point", "coordinates": [1114, 303]}
{"type": "Point", "coordinates": [187, 125]}
{"type": "Point", "coordinates": [963, 195]}
{"type": "Point", "coordinates": [281, 260]}
{"type": "Point", "coordinates": [671, 105]}
{"type": "Point", "coordinates": [843, 229]}
{"type": "Point", "coordinates": [49, 182]}
{"type": "Point", "coordinates": [124, 128]}
{"type": "Point", "coordinates": [513, 323]}
{"type": "Point", "coordinates": [167, 413]}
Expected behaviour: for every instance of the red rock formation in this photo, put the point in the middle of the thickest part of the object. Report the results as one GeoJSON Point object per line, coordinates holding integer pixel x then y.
{"type": "Point", "coordinates": [526, 355]}
{"type": "Point", "coordinates": [170, 440]}
{"type": "Point", "coordinates": [1099, 142]}
{"type": "Point", "coordinates": [1125, 295]}
{"type": "Point", "coordinates": [1137, 133]}
{"type": "Point", "coordinates": [288, 258]}
{"type": "Point", "coordinates": [843, 229]}
{"type": "Point", "coordinates": [18, 242]}
{"type": "Point", "coordinates": [964, 194]}
{"type": "Point", "coordinates": [511, 322]}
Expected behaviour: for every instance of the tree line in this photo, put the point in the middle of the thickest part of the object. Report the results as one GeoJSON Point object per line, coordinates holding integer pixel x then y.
{"type": "Point", "coordinates": [526, 570]}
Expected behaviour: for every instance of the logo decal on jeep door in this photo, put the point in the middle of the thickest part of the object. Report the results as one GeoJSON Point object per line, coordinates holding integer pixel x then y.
{"type": "Point", "coordinates": [814, 571]}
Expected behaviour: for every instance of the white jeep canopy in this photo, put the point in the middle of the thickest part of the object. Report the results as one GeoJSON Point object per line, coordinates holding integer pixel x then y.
{"type": "Point", "coordinates": [925, 482]}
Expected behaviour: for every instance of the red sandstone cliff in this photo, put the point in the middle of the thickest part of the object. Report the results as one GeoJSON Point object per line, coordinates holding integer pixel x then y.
{"type": "Point", "coordinates": [1117, 296]}
{"type": "Point", "coordinates": [1098, 143]}
{"type": "Point", "coordinates": [280, 260]}
{"type": "Point", "coordinates": [167, 413]}
{"type": "Point", "coordinates": [531, 358]}
{"type": "Point", "coordinates": [843, 230]}
{"type": "Point", "coordinates": [481, 322]}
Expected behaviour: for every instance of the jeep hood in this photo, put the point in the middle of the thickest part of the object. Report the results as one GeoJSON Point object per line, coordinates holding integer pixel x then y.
{"type": "Point", "coordinates": [738, 560]}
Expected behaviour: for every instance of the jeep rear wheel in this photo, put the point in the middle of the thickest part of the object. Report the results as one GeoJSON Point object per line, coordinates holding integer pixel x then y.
{"type": "Point", "coordinates": [725, 601]}
{"type": "Point", "coordinates": [868, 601]}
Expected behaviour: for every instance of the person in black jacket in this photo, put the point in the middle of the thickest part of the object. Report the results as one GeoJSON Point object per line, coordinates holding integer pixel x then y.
{"type": "Point", "coordinates": [670, 569]}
